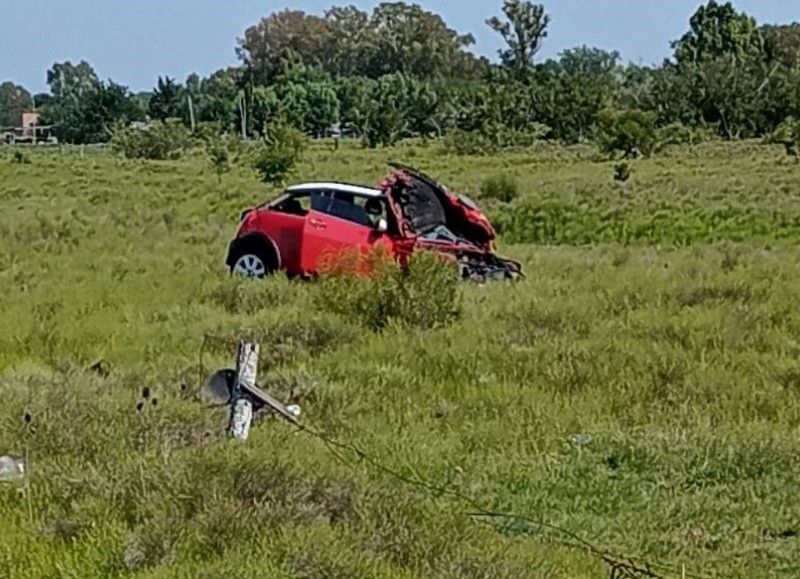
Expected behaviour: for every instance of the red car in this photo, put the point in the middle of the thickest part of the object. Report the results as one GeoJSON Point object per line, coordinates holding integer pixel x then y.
{"type": "Point", "coordinates": [405, 212]}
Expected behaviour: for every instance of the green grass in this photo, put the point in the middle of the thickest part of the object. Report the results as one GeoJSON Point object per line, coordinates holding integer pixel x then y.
{"type": "Point", "coordinates": [681, 363]}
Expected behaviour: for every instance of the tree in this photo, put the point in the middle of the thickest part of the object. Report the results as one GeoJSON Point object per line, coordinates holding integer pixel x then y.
{"type": "Point", "coordinates": [523, 30]}
{"type": "Point", "coordinates": [782, 44]}
{"type": "Point", "coordinates": [218, 99]}
{"type": "Point", "coordinates": [167, 100]}
{"type": "Point", "coordinates": [352, 40]}
{"type": "Point", "coordinates": [355, 102]}
{"type": "Point", "coordinates": [72, 81]}
{"type": "Point", "coordinates": [395, 37]}
{"type": "Point", "coordinates": [288, 36]}
{"type": "Point", "coordinates": [412, 41]}
{"type": "Point", "coordinates": [722, 65]}
{"type": "Point", "coordinates": [323, 108]}
{"type": "Point", "coordinates": [90, 117]}
{"type": "Point", "coordinates": [584, 60]}
{"type": "Point", "coordinates": [387, 113]}
{"type": "Point", "coordinates": [14, 100]}
{"type": "Point", "coordinates": [718, 30]}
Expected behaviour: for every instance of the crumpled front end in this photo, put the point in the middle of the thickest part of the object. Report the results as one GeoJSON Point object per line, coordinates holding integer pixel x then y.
{"type": "Point", "coordinates": [426, 208]}
{"type": "Point", "coordinates": [437, 219]}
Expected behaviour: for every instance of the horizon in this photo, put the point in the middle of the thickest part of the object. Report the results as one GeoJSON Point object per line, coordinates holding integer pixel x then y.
{"type": "Point", "coordinates": [640, 33]}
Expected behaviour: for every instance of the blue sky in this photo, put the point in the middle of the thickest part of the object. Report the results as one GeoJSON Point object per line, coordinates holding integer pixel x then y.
{"type": "Point", "coordinates": [134, 41]}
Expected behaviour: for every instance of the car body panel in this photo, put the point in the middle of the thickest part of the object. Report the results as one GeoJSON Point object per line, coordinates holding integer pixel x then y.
{"type": "Point", "coordinates": [326, 237]}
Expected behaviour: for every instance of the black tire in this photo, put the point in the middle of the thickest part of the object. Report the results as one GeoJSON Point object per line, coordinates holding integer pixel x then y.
{"type": "Point", "coordinates": [255, 260]}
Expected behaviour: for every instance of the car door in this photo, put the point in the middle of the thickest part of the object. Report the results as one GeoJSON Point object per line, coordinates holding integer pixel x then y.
{"type": "Point", "coordinates": [284, 224]}
{"type": "Point", "coordinates": [334, 225]}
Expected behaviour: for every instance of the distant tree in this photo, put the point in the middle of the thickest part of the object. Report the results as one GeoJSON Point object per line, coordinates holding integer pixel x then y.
{"type": "Point", "coordinates": [41, 99]}
{"type": "Point", "coordinates": [288, 36]}
{"type": "Point", "coordinates": [71, 81]}
{"type": "Point", "coordinates": [351, 42]}
{"type": "Point", "coordinates": [14, 100]}
{"type": "Point", "coordinates": [395, 37]}
{"type": "Point", "coordinates": [524, 29]}
{"type": "Point", "coordinates": [782, 43]}
{"type": "Point", "coordinates": [219, 99]}
{"type": "Point", "coordinates": [167, 100]}
{"type": "Point", "coordinates": [412, 41]}
{"type": "Point", "coordinates": [585, 60]}
{"type": "Point", "coordinates": [722, 67]}
{"type": "Point", "coordinates": [355, 102]}
{"type": "Point", "coordinates": [88, 118]}
{"type": "Point", "coordinates": [387, 113]}
{"type": "Point", "coordinates": [718, 30]}
{"type": "Point", "coordinates": [323, 108]}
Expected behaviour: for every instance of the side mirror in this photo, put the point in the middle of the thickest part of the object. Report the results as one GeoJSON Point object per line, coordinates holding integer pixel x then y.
{"type": "Point", "coordinates": [382, 226]}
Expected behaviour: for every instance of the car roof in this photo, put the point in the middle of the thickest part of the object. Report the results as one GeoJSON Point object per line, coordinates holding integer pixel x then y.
{"type": "Point", "coordinates": [336, 186]}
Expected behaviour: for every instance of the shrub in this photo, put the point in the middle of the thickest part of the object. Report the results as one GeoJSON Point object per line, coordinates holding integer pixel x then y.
{"type": "Point", "coordinates": [157, 142]}
{"type": "Point", "coordinates": [788, 135]}
{"type": "Point", "coordinates": [20, 157]}
{"type": "Point", "coordinates": [502, 187]}
{"type": "Point", "coordinates": [219, 156]}
{"type": "Point", "coordinates": [675, 134]}
{"type": "Point", "coordinates": [422, 295]}
{"type": "Point", "coordinates": [622, 172]}
{"type": "Point", "coordinates": [283, 148]}
{"type": "Point", "coordinates": [631, 132]}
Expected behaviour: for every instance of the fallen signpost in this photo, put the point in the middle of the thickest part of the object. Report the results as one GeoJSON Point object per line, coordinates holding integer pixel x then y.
{"type": "Point", "coordinates": [247, 398]}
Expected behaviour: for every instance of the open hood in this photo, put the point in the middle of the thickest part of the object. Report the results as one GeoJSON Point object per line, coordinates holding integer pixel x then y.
{"type": "Point", "coordinates": [422, 204]}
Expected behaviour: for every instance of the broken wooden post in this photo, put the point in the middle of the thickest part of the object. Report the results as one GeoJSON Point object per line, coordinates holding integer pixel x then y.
{"type": "Point", "coordinates": [241, 402]}
{"type": "Point", "coordinates": [247, 397]}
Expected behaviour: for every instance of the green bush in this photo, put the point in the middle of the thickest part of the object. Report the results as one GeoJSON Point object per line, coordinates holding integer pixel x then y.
{"type": "Point", "coordinates": [158, 141]}
{"type": "Point", "coordinates": [423, 295]}
{"type": "Point", "coordinates": [788, 135]}
{"type": "Point", "coordinates": [502, 187]}
{"type": "Point", "coordinates": [622, 172]}
{"type": "Point", "coordinates": [20, 157]}
{"type": "Point", "coordinates": [283, 149]}
{"type": "Point", "coordinates": [631, 132]}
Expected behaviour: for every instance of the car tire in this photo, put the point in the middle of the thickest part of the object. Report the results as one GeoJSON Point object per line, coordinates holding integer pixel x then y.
{"type": "Point", "coordinates": [253, 262]}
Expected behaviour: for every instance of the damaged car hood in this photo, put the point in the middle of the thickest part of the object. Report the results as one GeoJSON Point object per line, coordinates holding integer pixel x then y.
{"type": "Point", "coordinates": [423, 206]}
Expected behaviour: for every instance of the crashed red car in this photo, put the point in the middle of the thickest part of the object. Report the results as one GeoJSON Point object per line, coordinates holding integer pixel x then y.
{"type": "Point", "coordinates": [406, 212]}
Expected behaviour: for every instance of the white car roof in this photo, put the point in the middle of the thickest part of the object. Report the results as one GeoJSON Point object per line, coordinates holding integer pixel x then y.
{"type": "Point", "coordinates": [334, 186]}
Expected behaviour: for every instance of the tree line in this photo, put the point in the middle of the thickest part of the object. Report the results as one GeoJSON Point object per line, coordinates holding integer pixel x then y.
{"type": "Point", "coordinates": [400, 70]}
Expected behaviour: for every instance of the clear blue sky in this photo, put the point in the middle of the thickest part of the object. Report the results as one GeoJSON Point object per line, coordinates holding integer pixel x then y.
{"type": "Point", "coordinates": [134, 41]}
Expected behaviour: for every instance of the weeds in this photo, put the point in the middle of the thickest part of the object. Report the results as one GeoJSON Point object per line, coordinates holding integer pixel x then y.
{"type": "Point", "coordinates": [676, 369]}
{"type": "Point", "coordinates": [501, 187]}
{"type": "Point", "coordinates": [424, 295]}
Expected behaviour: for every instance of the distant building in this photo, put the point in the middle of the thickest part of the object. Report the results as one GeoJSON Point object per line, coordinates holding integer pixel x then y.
{"type": "Point", "coordinates": [29, 121]}
{"type": "Point", "coordinates": [30, 131]}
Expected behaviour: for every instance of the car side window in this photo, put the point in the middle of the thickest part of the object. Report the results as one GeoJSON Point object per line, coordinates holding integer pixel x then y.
{"type": "Point", "coordinates": [297, 204]}
{"type": "Point", "coordinates": [344, 206]}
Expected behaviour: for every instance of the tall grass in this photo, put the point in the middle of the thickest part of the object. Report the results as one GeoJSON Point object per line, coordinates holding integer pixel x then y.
{"type": "Point", "coordinates": [644, 398]}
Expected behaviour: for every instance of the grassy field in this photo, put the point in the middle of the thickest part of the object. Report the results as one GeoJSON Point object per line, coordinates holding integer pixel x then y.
{"type": "Point", "coordinates": [639, 390]}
